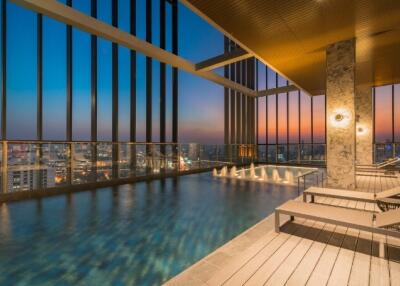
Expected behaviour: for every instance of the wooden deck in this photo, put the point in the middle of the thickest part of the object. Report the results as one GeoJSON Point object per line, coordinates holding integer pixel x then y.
{"type": "Point", "coordinates": [305, 252]}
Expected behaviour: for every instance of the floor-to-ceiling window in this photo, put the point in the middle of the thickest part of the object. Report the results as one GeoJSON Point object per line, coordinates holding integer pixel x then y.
{"type": "Point", "coordinates": [292, 124]}
{"type": "Point", "coordinates": [201, 102]}
{"type": "Point", "coordinates": [81, 77]}
{"type": "Point", "coordinates": [21, 73]}
{"type": "Point", "coordinates": [124, 74]}
{"type": "Point", "coordinates": [386, 121]}
{"type": "Point", "coordinates": [104, 76]}
{"type": "Point", "coordinates": [54, 80]}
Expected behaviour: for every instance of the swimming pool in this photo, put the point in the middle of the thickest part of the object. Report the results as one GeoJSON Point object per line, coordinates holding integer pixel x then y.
{"type": "Point", "coordinates": [141, 234]}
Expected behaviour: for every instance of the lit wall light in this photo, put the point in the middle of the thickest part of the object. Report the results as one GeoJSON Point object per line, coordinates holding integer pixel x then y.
{"type": "Point", "coordinates": [340, 118]}
{"type": "Point", "coordinates": [362, 130]}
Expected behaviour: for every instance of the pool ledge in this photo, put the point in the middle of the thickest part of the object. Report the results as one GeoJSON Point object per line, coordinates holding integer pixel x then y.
{"type": "Point", "coordinates": [203, 270]}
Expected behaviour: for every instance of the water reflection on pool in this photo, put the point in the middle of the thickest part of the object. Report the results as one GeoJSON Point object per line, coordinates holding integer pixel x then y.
{"type": "Point", "coordinates": [140, 234]}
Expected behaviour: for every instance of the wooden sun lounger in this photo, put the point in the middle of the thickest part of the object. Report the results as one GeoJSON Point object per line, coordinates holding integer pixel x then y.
{"type": "Point", "coordinates": [357, 219]}
{"type": "Point", "coordinates": [349, 195]}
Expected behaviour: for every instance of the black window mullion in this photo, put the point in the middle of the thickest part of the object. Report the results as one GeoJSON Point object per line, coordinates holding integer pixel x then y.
{"type": "Point", "coordinates": [4, 70]}
{"type": "Point", "coordinates": [115, 75]}
{"type": "Point", "coordinates": [133, 74]}
{"type": "Point", "coordinates": [162, 73]}
{"type": "Point", "coordinates": [175, 72]}
{"type": "Point", "coordinates": [69, 79]}
{"type": "Point", "coordinates": [39, 131]}
{"type": "Point", "coordinates": [149, 74]}
{"type": "Point", "coordinates": [93, 43]}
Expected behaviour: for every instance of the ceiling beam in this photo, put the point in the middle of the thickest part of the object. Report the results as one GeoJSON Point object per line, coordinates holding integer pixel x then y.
{"type": "Point", "coordinates": [282, 89]}
{"type": "Point", "coordinates": [234, 38]}
{"type": "Point", "coordinates": [70, 16]}
{"type": "Point", "coordinates": [223, 60]}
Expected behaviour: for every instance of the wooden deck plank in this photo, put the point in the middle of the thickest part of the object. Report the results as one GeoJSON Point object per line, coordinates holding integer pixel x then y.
{"type": "Point", "coordinates": [273, 262]}
{"type": "Point", "coordinates": [322, 270]}
{"type": "Point", "coordinates": [360, 269]}
{"type": "Point", "coordinates": [287, 267]}
{"type": "Point", "coordinates": [242, 275]}
{"type": "Point", "coordinates": [393, 249]}
{"type": "Point", "coordinates": [341, 271]}
{"type": "Point", "coordinates": [228, 271]}
{"type": "Point", "coordinates": [307, 264]}
{"type": "Point", "coordinates": [379, 264]}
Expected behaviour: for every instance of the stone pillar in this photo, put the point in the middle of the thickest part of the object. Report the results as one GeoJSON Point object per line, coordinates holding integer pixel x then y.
{"type": "Point", "coordinates": [341, 123]}
{"type": "Point", "coordinates": [364, 125]}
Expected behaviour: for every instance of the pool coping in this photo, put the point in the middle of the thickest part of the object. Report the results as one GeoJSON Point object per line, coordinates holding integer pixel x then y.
{"type": "Point", "coordinates": [60, 190]}
{"type": "Point", "coordinates": [201, 271]}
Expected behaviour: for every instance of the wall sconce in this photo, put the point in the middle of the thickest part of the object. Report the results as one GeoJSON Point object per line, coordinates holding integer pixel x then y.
{"type": "Point", "coordinates": [361, 130]}
{"type": "Point", "coordinates": [340, 118]}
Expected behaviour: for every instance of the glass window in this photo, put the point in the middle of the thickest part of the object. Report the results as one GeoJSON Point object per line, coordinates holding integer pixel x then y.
{"type": "Point", "coordinates": [155, 101]}
{"type": "Point", "coordinates": [124, 93]}
{"type": "Point", "coordinates": [124, 74]}
{"type": "Point", "coordinates": [54, 80]}
{"type": "Point", "coordinates": [319, 119]}
{"type": "Point", "coordinates": [281, 81]}
{"type": "Point", "coordinates": [397, 112]}
{"type": "Point", "coordinates": [168, 112]}
{"type": "Point", "coordinates": [21, 72]}
{"type": "Point", "coordinates": [271, 120]}
{"type": "Point", "coordinates": [383, 114]}
{"type": "Point", "coordinates": [141, 98]}
{"type": "Point", "coordinates": [104, 77]}
{"type": "Point", "coordinates": [141, 19]}
{"type": "Point", "coordinates": [261, 76]}
{"type": "Point", "coordinates": [262, 112]}
{"type": "Point", "coordinates": [305, 118]}
{"type": "Point", "coordinates": [282, 118]}
{"type": "Point", "coordinates": [124, 15]}
{"type": "Point", "coordinates": [294, 117]}
{"type": "Point", "coordinates": [155, 22]}
{"type": "Point", "coordinates": [262, 120]}
{"type": "Point", "coordinates": [271, 79]}
{"type": "Point", "coordinates": [81, 78]}
{"type": "Point", "coordinates": [200, 121]}
{"type": "Point", "coordinates": [1, 64]}
{"type": "Point", "coordinates": [168, 27]}
{"type": "Point", "coordinates": [195, 46]}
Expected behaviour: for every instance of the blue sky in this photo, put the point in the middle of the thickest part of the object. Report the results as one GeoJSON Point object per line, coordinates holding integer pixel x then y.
{"type": "Point", "coordinates": [200, 101]}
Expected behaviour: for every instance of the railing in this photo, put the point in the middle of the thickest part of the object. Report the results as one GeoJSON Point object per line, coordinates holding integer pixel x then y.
{"type": "Point", "coordinates": [37, 165]}
{"type": "Point", "coordinates": [385, 151]}
{"type": "Point", "coordinates": [315, 178]}
{"type": "Point", "coordinates": [292, 153]}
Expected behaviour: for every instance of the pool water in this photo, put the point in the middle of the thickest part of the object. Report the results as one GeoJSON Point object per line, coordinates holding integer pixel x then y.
{"type": "Point", "coordinates": [138, 234]}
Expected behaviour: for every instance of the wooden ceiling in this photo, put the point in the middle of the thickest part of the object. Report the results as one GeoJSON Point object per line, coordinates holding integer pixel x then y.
{"type": "Point", "coordinates": [291, 35]}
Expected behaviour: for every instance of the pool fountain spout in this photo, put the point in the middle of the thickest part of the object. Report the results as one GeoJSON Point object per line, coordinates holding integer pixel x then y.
{"type": "Point", "coordinates": [252, 171]}
{"type": "Point", "coordinates": [224, 171]}
{"type": "Point", "coordinates": [264, 175]}
{"type": "Point", "coordinates": [289, 178]}
{"type": "Point", "coordinates": [215, 172]}
{"type": "Point", "coordinates": [233, 171]}
{"type": "Point", "coordinates": [275, 175]}
{"type": "Point", "coordinates": [242, 174]}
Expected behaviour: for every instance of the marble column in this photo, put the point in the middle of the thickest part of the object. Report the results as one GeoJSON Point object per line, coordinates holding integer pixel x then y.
{"type": "Point", "coordinates": [364, 125]}
{"type": "Point", "coordinates": [341, 121]}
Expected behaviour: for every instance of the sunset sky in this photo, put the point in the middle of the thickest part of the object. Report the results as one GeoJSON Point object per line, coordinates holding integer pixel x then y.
{"type": "Point", "coordinates": [200, 101]}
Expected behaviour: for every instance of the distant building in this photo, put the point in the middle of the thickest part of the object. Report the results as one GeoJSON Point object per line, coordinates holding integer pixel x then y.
{"type": "Point", "coordinates": [30, 179]}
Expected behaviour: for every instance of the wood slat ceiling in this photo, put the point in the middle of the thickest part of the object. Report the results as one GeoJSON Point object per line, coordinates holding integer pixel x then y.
{"type": "Point", "coordinates": [291, 35]}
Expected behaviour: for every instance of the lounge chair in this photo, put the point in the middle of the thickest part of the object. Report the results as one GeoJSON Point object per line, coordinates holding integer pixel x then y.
{"type": "Point", "coordinates": [382, 223]}
{"type": "Point", "coordinates": [349, 195]}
